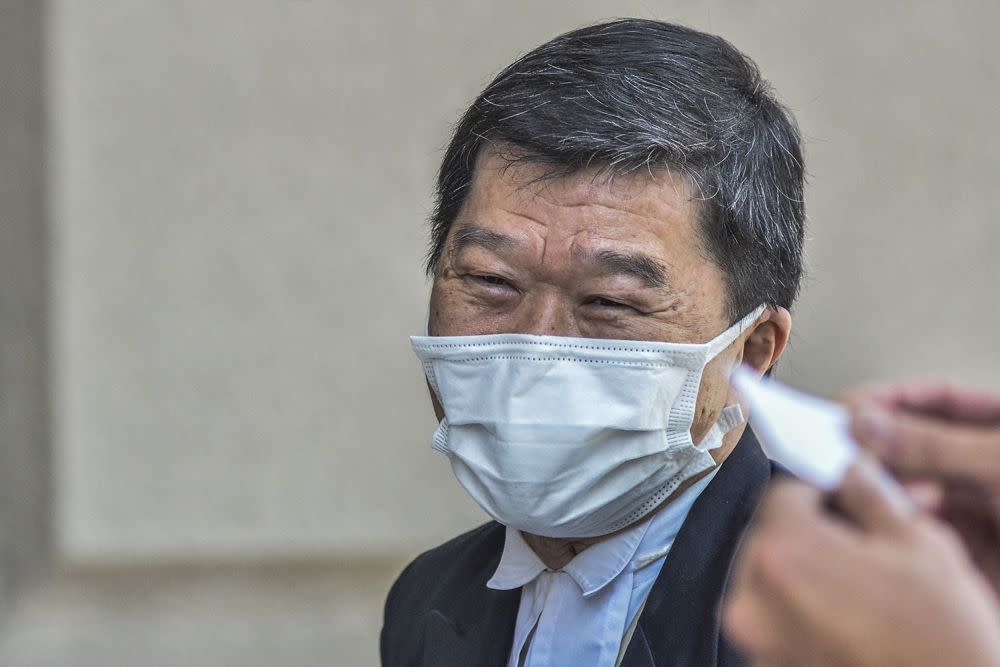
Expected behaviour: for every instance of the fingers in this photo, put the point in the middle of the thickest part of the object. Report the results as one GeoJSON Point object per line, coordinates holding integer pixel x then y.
{"type": "Point", "coordinates": [927, 495]}
{"type": "Point", "coordinates": [953, 402]}
{"type": "Point", "coordinates": [933, 399]}
{"type": "Point", "coordinates": [788, 501]}
{"type": "Point", "coordinates": [756, 616]}
{"type": "Point", "coordinates": [779, 585]}
{"type": "Point", "coordinates": [813, 588]}
{"type": "Point", "coordinates": [761, 626]}
{"type": "Point", "coordinates": [791, 524]}
{"type": "Point", "coordinates": [873, 500]}
{"type": "Point", "coordinates": [917, 445]}
{"type": "Point", "coordinates": [752, 619]}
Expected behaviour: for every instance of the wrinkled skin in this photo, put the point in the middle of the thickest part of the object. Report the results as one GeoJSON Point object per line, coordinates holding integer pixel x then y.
{"type": "Point", "coordinates": [579, 256]}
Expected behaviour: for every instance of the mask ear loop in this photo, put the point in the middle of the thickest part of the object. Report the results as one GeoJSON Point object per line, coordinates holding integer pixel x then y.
{"type": "Point", "coordinates": [732, 415]}
{"type": "Point", "coordinates": [726, 338]}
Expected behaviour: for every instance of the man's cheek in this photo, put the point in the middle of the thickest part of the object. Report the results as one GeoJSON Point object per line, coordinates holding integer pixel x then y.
{"type": "Point", "coordinates": [453, 312]}
{"type": "Point", "coordinates": [711, 401]}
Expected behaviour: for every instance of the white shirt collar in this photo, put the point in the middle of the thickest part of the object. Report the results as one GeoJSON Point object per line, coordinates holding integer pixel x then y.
{"type": "Point", "coordinates": [591, 569]}
{"type": "Point", "coordinates": [519, 564]}
{"type": "Point", "coordinates": [597, 565]}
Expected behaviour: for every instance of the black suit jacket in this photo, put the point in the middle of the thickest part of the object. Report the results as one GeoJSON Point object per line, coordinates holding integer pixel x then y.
{"type": "Point", "coordinates": [440, 613]}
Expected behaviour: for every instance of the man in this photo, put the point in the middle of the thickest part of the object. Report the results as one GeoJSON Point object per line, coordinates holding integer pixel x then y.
{"type": "Point", "coordinates": [619, 223]}
{"type": "Point", "coordinates": [894, 586]}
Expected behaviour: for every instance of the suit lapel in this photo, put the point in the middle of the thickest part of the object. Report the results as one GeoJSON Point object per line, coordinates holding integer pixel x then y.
{"type": "Point", "coordinates": [680, 622]}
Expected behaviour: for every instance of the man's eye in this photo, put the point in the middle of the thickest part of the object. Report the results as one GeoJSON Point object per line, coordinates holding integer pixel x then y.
{"type": "Point", "coordinates": [607, 303]}
{"type": "Point", "coordinates": [492, 280]}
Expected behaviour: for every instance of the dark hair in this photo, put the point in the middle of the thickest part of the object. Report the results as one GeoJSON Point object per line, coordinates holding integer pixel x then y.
{"type": "Point", "coordinates": [636, 94]}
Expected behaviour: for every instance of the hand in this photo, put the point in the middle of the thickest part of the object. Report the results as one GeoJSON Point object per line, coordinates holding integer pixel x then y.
{"type": "Point", "coordinates": [945, 442]}
{"type": "Point", "coordinates": [886, 585]}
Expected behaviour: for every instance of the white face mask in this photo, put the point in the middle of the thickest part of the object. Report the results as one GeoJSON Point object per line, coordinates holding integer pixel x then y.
{"type": "Point", "coordinates": [572, 437]}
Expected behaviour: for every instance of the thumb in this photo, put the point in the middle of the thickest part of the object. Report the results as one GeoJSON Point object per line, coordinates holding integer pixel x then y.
{"type": "Point", "coordinates": [872, 499]}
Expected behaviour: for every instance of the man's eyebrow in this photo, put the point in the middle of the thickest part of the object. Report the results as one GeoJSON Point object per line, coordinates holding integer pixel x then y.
{"type": "Point", "coordinates": [638, 265]}
{"type": "Point", "coordinates": [643, 267]}
{"type": "Point", "coordinates": [473, 235]}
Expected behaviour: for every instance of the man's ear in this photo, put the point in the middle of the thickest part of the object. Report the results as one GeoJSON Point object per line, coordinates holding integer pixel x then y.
{"type": "Point", "coordinates": [768, 339]}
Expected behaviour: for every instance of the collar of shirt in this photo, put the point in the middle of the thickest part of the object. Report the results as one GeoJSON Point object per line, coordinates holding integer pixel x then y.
{"type": "Point", "coordinates": [591, 569]}
{"type": "Point", "coordinates": [597, 565]}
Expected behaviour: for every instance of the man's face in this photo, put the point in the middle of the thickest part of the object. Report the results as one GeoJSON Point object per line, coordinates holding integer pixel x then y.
{"type": "Point", "coordinates": [583, 256]}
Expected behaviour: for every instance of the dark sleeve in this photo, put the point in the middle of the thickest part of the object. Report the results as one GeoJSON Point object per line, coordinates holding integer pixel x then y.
{"type": "Point", "coordinates": [433, 577]}
{"type": "Point", "coordinates": [387, 652]}
{"type": "Point", "coordinates": [399, 643]}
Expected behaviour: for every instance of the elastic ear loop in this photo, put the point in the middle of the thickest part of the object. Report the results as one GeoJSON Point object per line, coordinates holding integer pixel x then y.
{"type": "Point", "coordinates": [732, 416]}
{"type": "Point", "coordinates": [439, 441]}
{"type": "Point", "coordinates": [726, 338]}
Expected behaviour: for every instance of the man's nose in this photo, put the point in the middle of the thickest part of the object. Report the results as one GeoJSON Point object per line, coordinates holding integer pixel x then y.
{"type": "Point", "coordinates": [547, 315]}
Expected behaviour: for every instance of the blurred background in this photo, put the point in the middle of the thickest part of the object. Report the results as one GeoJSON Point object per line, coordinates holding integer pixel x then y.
{"type": "Point", "coordinates": [214, 438]}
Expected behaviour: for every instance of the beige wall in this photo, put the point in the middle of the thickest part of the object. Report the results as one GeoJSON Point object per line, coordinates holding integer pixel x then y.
{"type": "Point", "coordinates": [237, 196]}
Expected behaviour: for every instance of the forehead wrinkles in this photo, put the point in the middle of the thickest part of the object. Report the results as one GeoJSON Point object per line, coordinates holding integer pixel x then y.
{"type": "Point", "coordinates": [619, 210]}
{"type": "Point", "coordinates": [575, 208]}
{"type": "Point", "coordinates": [566, 232]}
